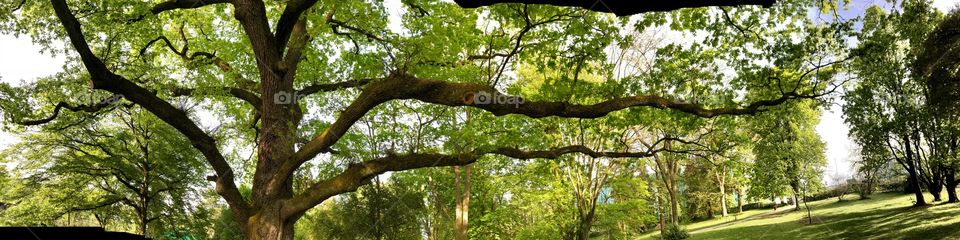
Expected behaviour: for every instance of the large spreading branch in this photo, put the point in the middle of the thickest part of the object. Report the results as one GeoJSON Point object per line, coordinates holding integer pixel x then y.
{"type": "Point", "coordinates": [358, 174]}
{"type": "Point", "coordinates": [327, 87]}
{"type": "Point", "coordinates": [289, 17]}
{"type": "Point", "coordinates": [242, 94]}
{"type": "Point", "coordinates": [90, 108]}
{"type": "Point", "coordinates": [183, 4]}
{"type": "Point", "coordinates": [104, 79]}
{"type": "Point", "coordinates": [402, 86]}
{"type": "Point", "coordinates": [178, 4]}
{"type": "Point", "coordinates": [622, 7]}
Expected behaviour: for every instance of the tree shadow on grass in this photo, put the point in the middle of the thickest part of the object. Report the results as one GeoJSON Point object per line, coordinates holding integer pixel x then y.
{"type": "Point", "coordinates": [883, 222]}
{"type": "Point", "coordinates": [888, 223]}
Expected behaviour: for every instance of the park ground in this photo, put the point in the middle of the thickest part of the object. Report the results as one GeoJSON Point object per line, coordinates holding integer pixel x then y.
{"type": "Point", "coordinates": [883, 216]}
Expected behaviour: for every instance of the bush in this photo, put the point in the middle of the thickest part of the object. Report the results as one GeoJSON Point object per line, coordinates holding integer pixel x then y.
{"type": "Point", "coordinates": [892, 185]}
{"type": "Point", "coordinates": [673, 232]}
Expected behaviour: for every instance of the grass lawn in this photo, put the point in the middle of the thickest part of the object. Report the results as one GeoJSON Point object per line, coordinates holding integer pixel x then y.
{"type": "Point", "coordinates": [884, 216]}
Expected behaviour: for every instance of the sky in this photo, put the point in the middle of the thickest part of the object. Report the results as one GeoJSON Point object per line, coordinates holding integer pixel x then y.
{"type": "Point", "coordinates": [22, 60]}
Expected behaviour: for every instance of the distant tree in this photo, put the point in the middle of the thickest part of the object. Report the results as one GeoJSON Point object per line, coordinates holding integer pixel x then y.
{"type": "Point", "coordinates": [789, 153]}
{"type": "Point", "coordinates": [131, 169]}
{"type": "Point", "coordinates": [841, 185]}
{"type": "Point", "coordinates": [869, 164]}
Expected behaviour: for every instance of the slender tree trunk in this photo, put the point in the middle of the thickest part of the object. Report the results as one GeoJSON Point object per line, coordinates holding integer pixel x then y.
{"type": "Point", "coordinates": [809, 215]}
{"type": "Point", "coordinates": [709, 210]}
{"type": "Point", "coordinates": [660, 213]}
{"type": "Point", "coordinates": [796, 201]}
{"type": "Point", "coordinates": [773, 200]}
{"type": "Point", "coordinates": [723, 194]}
{"type": "Point", "coordinates": [657, 198]}
{"type": "Point", "coordinates": [462, 202]}
{"type": "Point", "coordinates": [740, 200]}
{"type": "Point", "coordinates": [466, 204]}
{"type": "Point", "coordinates": [145, 169]}
{"type": "Point", "coordinates": [142, 219]}
{"type": "Point", "coordinates": [457, 202]}
{"type": "Point", "coordinates": [432, 231]}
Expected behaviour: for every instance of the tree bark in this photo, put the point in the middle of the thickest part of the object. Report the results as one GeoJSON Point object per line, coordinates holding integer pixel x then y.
{"type": "Point", "coordinates": [434, 217]}
{"type": "Point", "coordinates": [621, 8]}
{"type": "Point", "coordinates": [721, 177]}
{"type": "Point", "coordinates": [951, 185]}
{"type": "Point", "coordinates": [773, 200]}
{"type": "Point", "coordinates": [461, 224]}
{"type": "Point", "coordinates": [586, 223]}
{"type": "Point", "coordinates": [458, 211]}
{"type": "Point", "coordinates": [674, 211]}
{"type": "Point", "coordinates": [935, 183]}
{"type": "Point", "coordinates": [658, 202]}
{"type": "Point", "coordinates": [269, 224]}
{"type": "Point", "coordinates": [912, 174]}
{"type": "Point", "coordinates": [740, 200]}
{"type": "Point", "coordinates": [935, 188]}
{"type": "Point", "coordinates": [951, 174]}
{"type": "Point", "coordinates": [466, 204]}
{"type": "Point", "coordinates": [795, 186]}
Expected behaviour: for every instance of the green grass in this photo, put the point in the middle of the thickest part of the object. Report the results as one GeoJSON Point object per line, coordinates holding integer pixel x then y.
{"type": "Point", "coordinates": [884, 216]}
{"type": "Point", "coordinates": [713, 222]}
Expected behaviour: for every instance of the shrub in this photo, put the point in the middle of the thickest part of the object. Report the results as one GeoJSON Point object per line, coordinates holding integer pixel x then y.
{"type": "Point", "coordinates": [673, 232]}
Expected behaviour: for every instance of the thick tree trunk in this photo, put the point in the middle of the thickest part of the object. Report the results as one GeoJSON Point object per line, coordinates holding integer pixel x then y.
{"type": "Point", "coordinates": [951, 182]}
{"type": "Point", "coordinates": [674, 210]}
{"type": "Point", "coordinates": [935, 183]}
{"type": "Point", "coordinates": [586, 223]}
{"type": "Point", "coordinates": [935, 188]}
{"type": "Point", "coordinates": [667, 171]}
{"type": "Point", "coordinates": [268, 224]}
{"type": "Point", "coordinates": [951, 174]}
